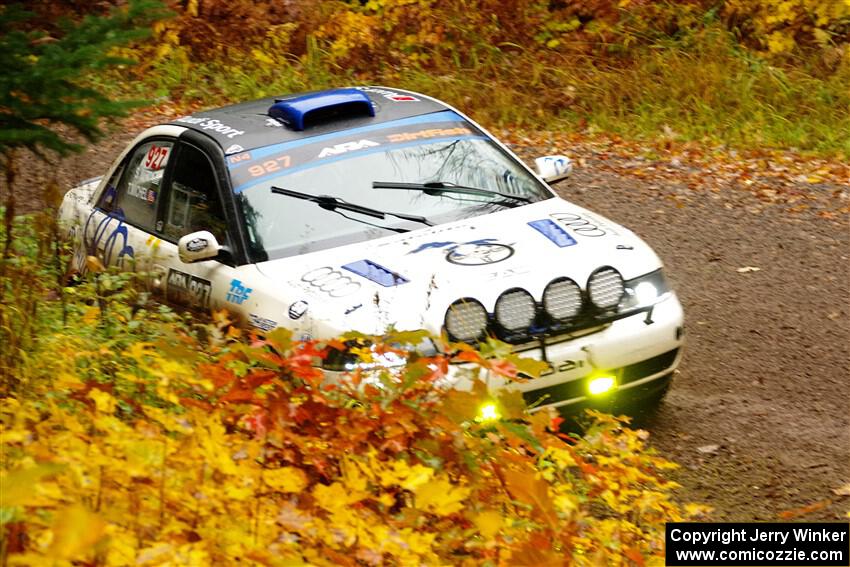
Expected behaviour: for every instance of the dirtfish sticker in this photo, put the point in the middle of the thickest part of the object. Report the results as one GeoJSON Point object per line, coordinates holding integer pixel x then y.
{"type": "Point", "coordinates": [238, 293]}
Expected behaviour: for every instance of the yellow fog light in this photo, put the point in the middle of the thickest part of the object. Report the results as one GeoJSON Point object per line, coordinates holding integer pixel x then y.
{"type": "Point", "coordinates": [598, 385]}
{"type": "Point", "coordinates": [488, 412]}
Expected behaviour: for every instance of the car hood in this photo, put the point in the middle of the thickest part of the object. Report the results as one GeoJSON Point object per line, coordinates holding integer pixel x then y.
{"type": "Point", "coordinates": [409, 280]}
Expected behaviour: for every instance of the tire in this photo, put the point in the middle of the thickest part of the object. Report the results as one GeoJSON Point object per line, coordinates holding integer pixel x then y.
{"type": "Point", "coordinates": [644, 401]}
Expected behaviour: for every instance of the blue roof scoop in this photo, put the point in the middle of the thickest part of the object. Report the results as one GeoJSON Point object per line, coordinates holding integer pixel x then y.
{"type": "Point", "coordinates": [301, 112]}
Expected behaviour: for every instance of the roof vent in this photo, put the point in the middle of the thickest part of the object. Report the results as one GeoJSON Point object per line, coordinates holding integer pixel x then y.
{"type": "Point", "coordinates": [303, 111]}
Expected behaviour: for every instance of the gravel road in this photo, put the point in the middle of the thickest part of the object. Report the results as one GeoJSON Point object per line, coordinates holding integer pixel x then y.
{"type": "Point", "coordinates": [759, 415]}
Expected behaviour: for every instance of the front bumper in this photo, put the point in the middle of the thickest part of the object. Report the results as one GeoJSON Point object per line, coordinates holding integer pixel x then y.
{"type": "Point", "coordinates": [637, 350]}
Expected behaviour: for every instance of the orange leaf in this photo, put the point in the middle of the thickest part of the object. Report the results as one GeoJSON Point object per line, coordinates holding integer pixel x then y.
{"type": "Point", "coordinates": [468, 356]}
{"type": "Point", "coordinates": [635, 555]}
{"type": "Point", "coordinates": [526, 487]}
{"type": "Point", "coordinates": [797, 512]}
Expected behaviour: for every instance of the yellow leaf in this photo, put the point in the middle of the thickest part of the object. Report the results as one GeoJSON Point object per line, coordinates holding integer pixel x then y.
{"type": "Point", "coordinates": [94, 264]}
{"type": "Point", "coordinates": [237, 492]}
{"type": "Point", "coordinates": [143, 457]}
{"type": "Point", "coordinates": [441, 497]}
{"type": "Point", "coordinates": [261, 57]}
{"type": "Point", "coordinates": [66, 380]}
{"type": "Point", "coordinates": [103, 401]}
{"type": "Point", "coordinates": [91, 315]}
{"type": "Point", "coordinates": [75, 530]}
{"type": "Point", "coordinates": [409, 478]}
{"type": "Point", "coordinates": [286, 479]}
{"type": "Point", "coordinates": [19, 485]}
{"type": "Point", "coordinates": [489, 523]}
{"type": "Point", "coordinates": [336, 497]}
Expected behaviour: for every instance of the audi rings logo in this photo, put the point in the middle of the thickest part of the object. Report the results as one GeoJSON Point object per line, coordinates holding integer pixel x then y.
{"type": "Point", "coordinates": [331, 281]}
{"type": "Point", "coordinates": [578, 224]}
{"type": "Point", "coordinates": [479, 254]}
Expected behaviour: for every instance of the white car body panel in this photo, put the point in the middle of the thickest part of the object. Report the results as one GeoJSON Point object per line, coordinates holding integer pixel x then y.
{"type": "Point", "coordinates": [434, 283]}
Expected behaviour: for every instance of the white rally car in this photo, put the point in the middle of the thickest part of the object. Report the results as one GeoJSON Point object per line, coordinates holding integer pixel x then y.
{"type": "Point", "coordinates": [369, 207]}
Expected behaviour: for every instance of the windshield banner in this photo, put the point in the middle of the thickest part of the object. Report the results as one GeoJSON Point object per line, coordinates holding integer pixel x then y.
{"type": "Point", "coordinates": [256, 166]}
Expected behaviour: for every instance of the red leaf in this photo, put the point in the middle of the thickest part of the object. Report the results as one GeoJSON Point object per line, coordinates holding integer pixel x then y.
{"type": "Point", "coordinates": [217, 374]}
{"type": "Point", "coordinates": [259, 377]}
{"type": "Point", "coordinates": [238, 394]}
{"type": "Point", "coordinates": [555, 424]}
{"type": "Point", "coordinates": [503, 368]}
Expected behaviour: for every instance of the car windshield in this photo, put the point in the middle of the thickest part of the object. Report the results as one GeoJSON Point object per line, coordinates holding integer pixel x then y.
{"type": "Point", "coordinates": [279, 225]}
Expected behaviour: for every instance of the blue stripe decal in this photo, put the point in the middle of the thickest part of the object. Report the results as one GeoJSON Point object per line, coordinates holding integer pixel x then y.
{"type": "Point", "coordinates": [359, 153]}
{"type": "Point", "coordinates": [443, 116]}
{"type": "Point", "coordinates": [554, 232]}
{"type": "Point", "coordinates": [376, 273]}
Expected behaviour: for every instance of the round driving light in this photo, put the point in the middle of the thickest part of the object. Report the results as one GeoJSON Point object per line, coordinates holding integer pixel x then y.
{"type": "Point", "coordinates": [488, 412]}
{"type": "Point", "coordinates": [606, 288]}
{"type": "Point", "coordinates": [466, 320]}
{"type": "Point", "coordinates": [515, 310]}
{"type": "Point", "coordinates": [600, 384]}
{"type": "Point", "coordinates": [562, 299]}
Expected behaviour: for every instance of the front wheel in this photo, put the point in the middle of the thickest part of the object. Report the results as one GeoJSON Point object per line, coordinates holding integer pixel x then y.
{"type": "Point", "coordinates": [644, 401]}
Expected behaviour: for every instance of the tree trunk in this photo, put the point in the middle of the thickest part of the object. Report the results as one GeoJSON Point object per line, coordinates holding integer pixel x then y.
{"type": "Point", "coordinates": [9, 217]}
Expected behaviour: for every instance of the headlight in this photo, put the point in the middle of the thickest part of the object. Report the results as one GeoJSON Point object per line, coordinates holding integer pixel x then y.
{"type": "Point", "coordinates": [562, 299]}
{"type": "Point", "coordinates": [515, 310]}
{"type": "Point", "coordinates": [644, 290]}
{"type": "Point", "coordinates": [466, 320]}
{"type": "Point", "coordinates": [605, 287]}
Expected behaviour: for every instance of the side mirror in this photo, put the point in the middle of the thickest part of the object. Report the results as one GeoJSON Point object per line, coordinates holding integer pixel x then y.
{"type": "Point", "coordinates": [553, 168]}
{"type": "Point", "coordinates": [197, 246]}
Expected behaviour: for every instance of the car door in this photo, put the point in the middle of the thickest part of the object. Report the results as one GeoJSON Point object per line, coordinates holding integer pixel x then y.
{"type": "Point", "coordinates": [193, 201]}
{"type": "Point", "coordinates": [120, 229]}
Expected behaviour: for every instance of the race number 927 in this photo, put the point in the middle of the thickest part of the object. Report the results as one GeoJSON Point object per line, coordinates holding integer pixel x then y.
{"type": "Point", "coordinates": [155, 158]}
{"type": "Point", "coordinates": [270, 166]}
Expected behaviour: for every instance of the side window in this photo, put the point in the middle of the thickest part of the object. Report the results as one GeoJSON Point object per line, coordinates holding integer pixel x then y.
{"type": "Point", "coordinates": [136, 195]}
{"type": "Point", "coordinates": [193, 200]}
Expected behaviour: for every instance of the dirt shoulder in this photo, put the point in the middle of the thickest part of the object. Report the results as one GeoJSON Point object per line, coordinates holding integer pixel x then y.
{"type": "Point", "coordinates": [759, 416]}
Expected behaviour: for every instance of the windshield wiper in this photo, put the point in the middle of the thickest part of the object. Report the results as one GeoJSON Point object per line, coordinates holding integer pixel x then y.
{"type": "Point", "coordinates": [333, 203]}
{"type": "Point", "coordinates": [441, 187]}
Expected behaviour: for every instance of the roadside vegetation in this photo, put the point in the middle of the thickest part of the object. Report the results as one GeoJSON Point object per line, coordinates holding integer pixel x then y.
{"type": "Point", "coordinates": [134, 435]}
{"type": "Point", "coordinates": [766, 73]}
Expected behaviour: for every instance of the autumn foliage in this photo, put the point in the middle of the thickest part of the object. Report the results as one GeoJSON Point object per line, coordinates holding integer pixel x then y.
{"type": "Point", "coordinates": [172, 449]}
{"type": "Point", "coordinates": [737, 72]}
